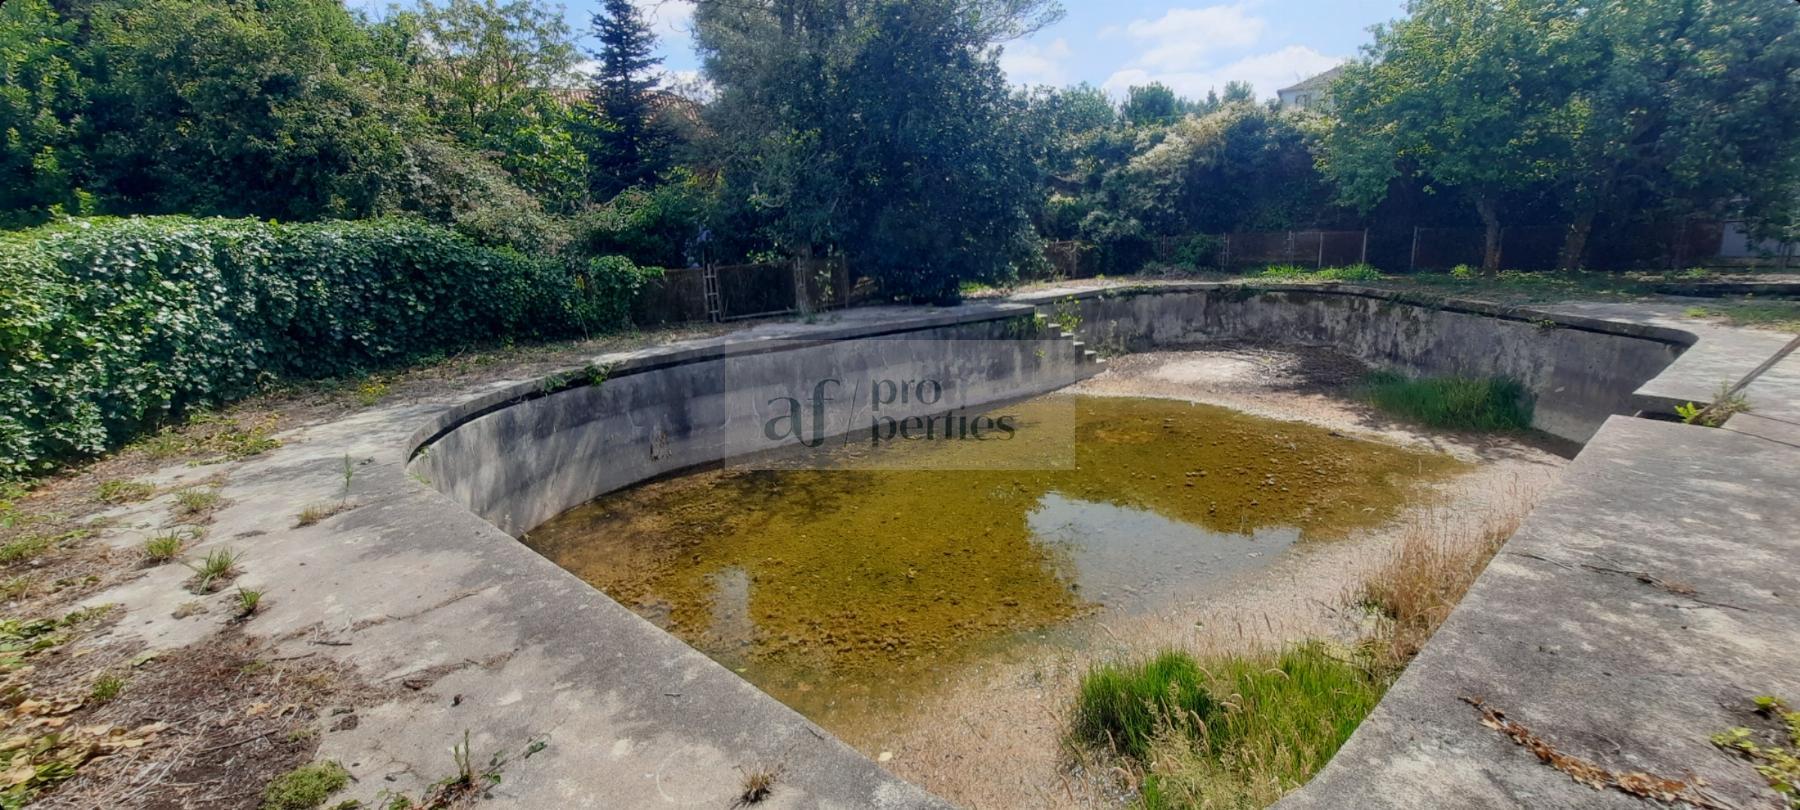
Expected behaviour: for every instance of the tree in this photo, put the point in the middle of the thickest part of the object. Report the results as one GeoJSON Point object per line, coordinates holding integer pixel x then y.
{"type": "Point", "coordinates": [629, 138]}
{"type": "Point", "coordinates": [1679, 108]}
{"type": "Point", "coordinates": [276, 108]}
{"type": "Point", "coordinates": [486, 66]}
{"type": "Point", "coordinates": [1151, 104]}
{"type": "Point", "coordinates": [1451, 94]}
{"type": "Point", "coordinates": [1245, 167]}
{"type": "Point", "coordinates": [41, 97]}
{"type": "Point", "coordinates": [885, 130]}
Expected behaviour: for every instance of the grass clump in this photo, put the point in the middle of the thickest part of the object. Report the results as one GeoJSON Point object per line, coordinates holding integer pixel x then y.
{"type": "Point", "coordinates": [1430, 569]}
{"type": "Point", "coordinates": [305, 787]}
{"type": "Point", "coordinates": [1451, 403]}
{"type": "Point", "coordinates": [106, 687]}
{"type": "Point", "coordinates": [248, 602]}
{"type": "Point", "coordinates": [1279, 721]}
{"type": "Point", "coordinates": [28, 546]}
{"type": "Point", "coordinates": [163, 547]}
{"type": "Point", "coordinates": [196, 502]}
{"type": "Point", "coordinates": [1234, 731]}
{"type": "Point", "coordinates": [218, 566]}
{"type": "Point", "coordinates": [116, 491]}
{"type": "Point", "coordinates": [1125, 706]}
{"type": "Point", "coordinates": [320, 511]}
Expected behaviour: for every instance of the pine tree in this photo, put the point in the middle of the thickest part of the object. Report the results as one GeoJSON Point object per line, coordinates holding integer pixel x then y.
{"type": "Point", "coordinates": [628, 141]}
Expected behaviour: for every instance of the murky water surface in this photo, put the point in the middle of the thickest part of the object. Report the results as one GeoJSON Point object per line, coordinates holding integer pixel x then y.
{"type": "Point", "coordinates": [844, 592]}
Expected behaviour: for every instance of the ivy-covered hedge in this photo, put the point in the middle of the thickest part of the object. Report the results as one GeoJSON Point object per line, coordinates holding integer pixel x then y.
{"type": "Point", "coordinates": [110, 326]}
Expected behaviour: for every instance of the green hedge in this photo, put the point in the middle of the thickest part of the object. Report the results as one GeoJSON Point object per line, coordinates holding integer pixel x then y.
{"type": "Point", "coordinates": [115, 325]}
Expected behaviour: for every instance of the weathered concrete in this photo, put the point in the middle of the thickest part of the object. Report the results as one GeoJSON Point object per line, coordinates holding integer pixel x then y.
{"type": "Point", "coordinates": [410, 585]}
{"type": "Point", "coordinates": [1569, 633]}
{"type": "Point", "coordinates": [547, 452]}
{"type": "Point", "coordinates": [1580, 369]}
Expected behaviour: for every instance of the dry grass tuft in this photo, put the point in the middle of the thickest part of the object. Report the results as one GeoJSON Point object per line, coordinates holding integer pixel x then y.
{"type": "Point", "coordinates": [320, 511]}
{"type": "Point", "coordinates": [1431, 567]}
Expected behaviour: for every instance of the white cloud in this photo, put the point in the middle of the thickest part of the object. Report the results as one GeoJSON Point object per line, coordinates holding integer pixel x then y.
{"type": "Point", "coordinates": [1266, 72]}
{"type": "Point", "coordinates": [1181, 38]}
{"type": "Point", "coordinates": [671, 20]}
{"type": "Point", "coordinates": [1027, 63]}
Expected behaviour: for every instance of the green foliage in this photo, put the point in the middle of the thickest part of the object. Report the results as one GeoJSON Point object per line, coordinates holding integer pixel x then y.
{"type": "Point", "coordinates": [1452, 403]}
{"type": "Point", "coordinates": [121, 325]}
{"type": "Point", "coordinates": [305, 787]}
{"type": "Point", "coordinates": [117, 491]}
{"type": "Point", "coordinates": [485, 65]}
{"type": "Point", "coordinates": [1124, 707]}
{"type": "Point", "coordinates": [1286, 719]}
{"type": "Point", "coordinates": [218, 565]}
{"type": "Point", "coordinates": [653, 227]}
{"type": "Point", "coordinates": [850, 125]}
{"type": "Point", "coordinates": [1355, 272]}
{"type": "Point", "coordinates": [105, 688]}
{"type": "Point", "coordinates": [1776, 758]}
{"type": "Point", "coordinates": [41, 96]}
{"type": "Point", "coordinates": [630, 143]}
{"type": "Point", "coordinates": [1151, 104]}
{"type": "Point", "coordinates": [163, 547]}
{"type": "Point", "coordinates": [170, 125]}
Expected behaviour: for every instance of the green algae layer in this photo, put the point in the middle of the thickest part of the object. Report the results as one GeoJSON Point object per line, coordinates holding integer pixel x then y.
{"type": "Point", "coordinates": [821, 584]}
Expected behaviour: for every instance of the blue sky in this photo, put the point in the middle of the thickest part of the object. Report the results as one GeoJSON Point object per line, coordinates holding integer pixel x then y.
{"type": "Point", "coordinates": [1191, 46]}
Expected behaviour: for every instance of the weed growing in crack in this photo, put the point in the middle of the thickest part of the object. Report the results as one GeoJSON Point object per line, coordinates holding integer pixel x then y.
{"type": "Point", "coordinates": [218, 566]}
{"type": "Point", "coordinates": [248, 602]}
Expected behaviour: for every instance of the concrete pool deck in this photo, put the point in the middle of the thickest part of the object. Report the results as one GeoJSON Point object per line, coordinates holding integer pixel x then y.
{"type": "Point", "coordinates": [410, 586]}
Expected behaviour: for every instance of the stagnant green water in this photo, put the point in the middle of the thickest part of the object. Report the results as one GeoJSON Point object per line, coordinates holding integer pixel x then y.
{"type": "Point", "coordinates": [846, 590]}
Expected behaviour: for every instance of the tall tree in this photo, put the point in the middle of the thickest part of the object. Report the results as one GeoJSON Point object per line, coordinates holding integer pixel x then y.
{"type": "Point", "coordinates": [883, 129]}
{"type": "Point", "coordinates": [1452, 94]}
{"type": "Point", "coordinates": [629, 140]}
{"type": "Point", "coordinates": [273, 108]}
{"type": "Point", "coordinates": [1679, 108]}
{"type": "Point", "coordinates": [41, 97]}
{"type": "Point", "coordinates": [487, 65]}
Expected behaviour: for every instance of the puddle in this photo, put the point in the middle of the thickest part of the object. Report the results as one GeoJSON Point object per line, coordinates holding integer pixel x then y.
{"type": "Point", "coordinates": [853, 591]}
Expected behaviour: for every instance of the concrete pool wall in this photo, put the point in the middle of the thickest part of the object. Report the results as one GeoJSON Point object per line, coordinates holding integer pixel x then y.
{"type": "Point", "coordinates": [523, 454]}
{"type": "Point", "coordinates": [1581, 370]}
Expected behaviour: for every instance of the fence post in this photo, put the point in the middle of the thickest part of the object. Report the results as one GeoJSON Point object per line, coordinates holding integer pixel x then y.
{"type": "Point", "coordinates": [1320, 263]}
{"type": "Point", "coordinates": [1290, 247]}
{"type": "Point", "coordinates": [1365, 248]}
{"type": "Point", "coordinates": [1412, 264]}
{"type": "Point", "coordinates": [1226, 262]}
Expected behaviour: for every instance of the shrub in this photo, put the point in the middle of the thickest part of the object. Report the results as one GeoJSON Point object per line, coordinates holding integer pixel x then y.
{"type": "Point", "coordinates": [1454, 403]}
{"type": "Point", "coordinates": [118, 325]}
{"type": "Point", "coordinates": [1124, 707]}
{"type": "Point", "coordinates": [1199, 251]}
{"type": "Point", "coordinates": [1355, 272]}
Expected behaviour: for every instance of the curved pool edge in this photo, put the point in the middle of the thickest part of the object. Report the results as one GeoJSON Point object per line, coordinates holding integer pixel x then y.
{"type": "Point", "coordinates": [629, 663]}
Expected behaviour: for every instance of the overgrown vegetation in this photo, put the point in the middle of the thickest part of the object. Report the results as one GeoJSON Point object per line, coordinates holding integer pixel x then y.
{"type": "Point", "coordinates": [1125, 706]}
{"type": "Point", "coordinates": [1229, 731]}
{"type": "Point", "coordinates": [118, 326]}
{"type": "Point", "coordinates": [1774, 752]}
{"type": "Point", "coordinates": [1243, 730]}
{"type": "Point", "coordinates": [1724, 405]}
{"type": "Point", "coordinates": [305, 787]}
{"type": "Point", "coordinates": [1450, 403]}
